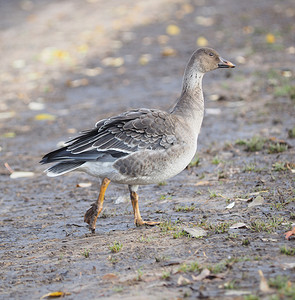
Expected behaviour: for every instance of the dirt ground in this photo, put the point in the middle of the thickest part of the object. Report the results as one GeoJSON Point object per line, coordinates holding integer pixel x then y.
{"type": "Point", "coordinates": [67, 64]}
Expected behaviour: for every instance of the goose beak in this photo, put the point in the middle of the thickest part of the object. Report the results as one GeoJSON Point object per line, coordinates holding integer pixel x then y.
{"type": "Point", "coordinates": [225, 63]}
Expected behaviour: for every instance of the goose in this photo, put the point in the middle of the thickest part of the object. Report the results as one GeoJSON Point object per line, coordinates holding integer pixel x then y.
{"type": "Point", "coordinates": [141, 146]}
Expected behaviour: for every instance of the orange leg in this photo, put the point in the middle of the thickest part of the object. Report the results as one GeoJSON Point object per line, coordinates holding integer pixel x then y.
{"type": "Point", "coordinates": [93, 212]}
{"type": "Point", "coordinates": [137, 217]}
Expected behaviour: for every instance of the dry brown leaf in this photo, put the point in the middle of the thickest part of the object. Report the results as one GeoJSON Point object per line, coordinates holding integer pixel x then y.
{"type": "Point", "coordinates": [231, 205]}
{"type": "Point", "coordinates": [259, 200]}
{"type": "Point", "coordinates": [183, 281]}
{"type": "Point", "coordinates": [168, 51]}
{"type": "Point", "coordinates": [288, 234]}
{"type": "Point", "coordinates": [203, 182]}
{"type": "Point", "coordinates": [16, 175]}
{"type": "Point", "coordinates": [263, 286]}
{"type": "Point", "coordinates": [238, 225]}
{"type": "Point", "coordinates": [109, 277]}
{"type": "Point", "coordinates": [84, 184]}
{"type": "Point", "coordinates": [195, 232]}
{"type": "Point", "coordinates": [202, 275]}
{"type": "Point", "coordinates": [78, 82]}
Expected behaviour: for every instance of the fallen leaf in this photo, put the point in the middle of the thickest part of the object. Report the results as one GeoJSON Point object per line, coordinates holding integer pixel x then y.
{"type": "Point", "coordinates": [259, 200]}
{"type": "Point", "coordinates": [288, 234]}
{"type": "Point", "coordinates": [183, 281]}
{"type": "Point", "coordinates": [7, 115]}
{"type": "Point", "coordinates": [288, 266]}
{"type": "Point", "coordinates": [195, 232]}
{"type": "Point", "coordinates": [42, 117]}
{"type": "Point", "coordinates": [144, 59]}
{"type": "Point", "coordinates": [78, 82]}
{"type": "Point", "coordinates": [167, 51]}
{"type": "Point", "coordinates": [15, 175]}
{"type": "Point", "coordinates": [270, 38]}
{"type": "Point", "coordinates": [203, 182]}
{"type": "Point", "coordinates": [204, 21]}
{"type": "Point", "coordinates": [263, 286]}
{"type": "Point", "coordinates": [269, 240]}
{"type": "Point", "coordinates": [36, 106]}
{"type": "Point", "coordinates": [202, 42]}
{"type": "Point", "coordinates": [84, 184]}
{"type": "Point", "coordinates": [237, 293]}
{"type": "Point", "coordinates": [202, 275]}
{"type": "Point", "coordinates": [55, 295]}
{"type": "Point", "coordinates": [9, 134]}
{"type": "Point", "coordinates": [113, 61]}
{"type": "Point", "coordinates": [109, 276]}
{"type": "Point", "coordinates": [173, 30]}
{"type": "Point", "coordinates": [238, 225]}
{"type": "Point", "coordinates": [163, 39]}
{"type": "Point", "coordinates": [231, 205]}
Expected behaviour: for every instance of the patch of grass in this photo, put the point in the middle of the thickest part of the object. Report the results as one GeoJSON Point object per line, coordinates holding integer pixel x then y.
{"type": "Point", "coordinates": [256, 143]}
{"type": "Point", "coordinates": [217, 268]}
{"type": "Point", "coordinates": [118, 289]}
{"type": "Point", "coordinates": [139, 274]}
{"type": "Point", "coordinates": [116, 247]}
{"type": "Point", "coordinates": [245, 242]}
{"type": "Point", "coordinates": [277, 148]}
{"type": "Point", "coordinates": [251, 297]}
{"type": "Point", "coordinates": [168, 226]}
{"type": "Point", "coordinates": [184, 208]}
{"type": "Point", "coordinates": [164, 197]}
{"type": "Point", "coordinates": [112, 259]}
{"type": "Point", "coordinates": [85, 253]}
{"type": "Point", "coordinates": [267, 226]}
{"type": "Point", "coordinates": [287, 250]}
{"type": "Point", "coordinates": [212, 194]}
{"type": "Point", "coordinates": [166, 275]}
{"type": "Point", "coordinates": [285, 90]}
{"type": "Point", "coordinates": [195, 161]}
{"type": "Point", "coordinates": [216, 160]}
{"type": "Point", "coordinates": [144, 239]}
{"type": "Point", "coordinates": [161, 258]}
{"type": "Point", "coordinates": [249, 167]}
{"type": "Point", "coordinates": [291, 133]}
{"type": "Point", "coordinates": [217, 228]}
{"type": "Point", "coordinates": [279, 166]}
{"type": "Point", "coordinates": [230, 285]}
{"type": "Point", "coordinates": [180, 233]}
{"type": "Point", "coordinates": [192, 267]}
{"type": "Point", "coordinates": [162, 183]}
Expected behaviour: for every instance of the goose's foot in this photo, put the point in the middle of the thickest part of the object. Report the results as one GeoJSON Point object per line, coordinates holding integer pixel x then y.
{"type": "Point", "coordinates": [140, 222]}
{"type": "Point", "coordinates": [93, 212]}
{"type": "Point", "coordinates": [91, 216]}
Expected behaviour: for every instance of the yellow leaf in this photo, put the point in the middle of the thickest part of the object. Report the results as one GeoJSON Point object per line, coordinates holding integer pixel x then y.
{"type": "Point", "coordinates": [202, 42]}
{"type": "Point", "coordinates": [270, 38]}
{"type": "Point", "coordinates": [9, 134]}
{"type": "Point", "coordinates": [144, 59]}
{"type": "Point", "coordinates": [42, 117]}
{"type": "Point", "coordinates": [173, 30]}
{"type": "Point", "coordinates": [55, 295]}
{"type": "Point", "coordinates": [82, 48]}
{"type": "Point", "coordinates": [167, 51]}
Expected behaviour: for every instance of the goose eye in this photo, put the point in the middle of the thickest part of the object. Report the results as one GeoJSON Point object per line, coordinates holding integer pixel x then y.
{"type": "Point", "coordinates": [211, 54]}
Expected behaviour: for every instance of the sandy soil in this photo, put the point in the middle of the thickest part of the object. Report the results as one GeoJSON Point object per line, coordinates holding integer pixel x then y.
{"type": "Point", "coordinates": [66, 65]}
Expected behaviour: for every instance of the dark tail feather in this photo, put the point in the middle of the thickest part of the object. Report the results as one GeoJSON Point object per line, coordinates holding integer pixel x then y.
{"type": "Point", "coordinates": [62, 168]}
